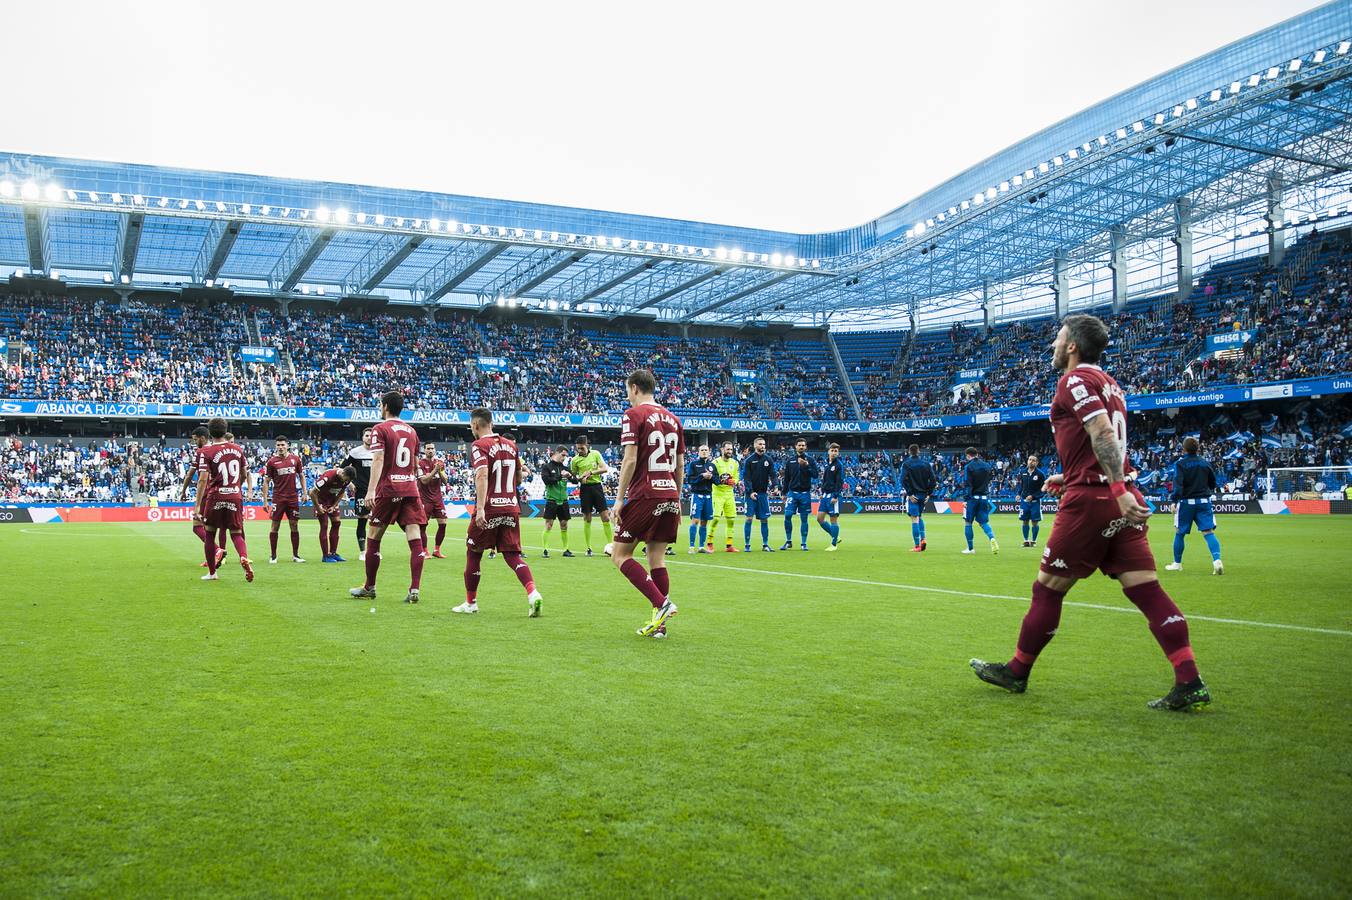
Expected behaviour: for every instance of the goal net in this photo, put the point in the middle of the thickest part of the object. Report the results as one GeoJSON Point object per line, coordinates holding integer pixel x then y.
{"type": "Point", "coordinates": [1308, 483]}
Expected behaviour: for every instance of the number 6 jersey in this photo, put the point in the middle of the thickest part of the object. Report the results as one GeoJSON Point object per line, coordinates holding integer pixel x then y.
{"type": "Point", "coordinates": [399, 442]}
{"type": "Point", "coordinates": [1083, 394]}
{"type": "Point", "coordinates": [661, 448]}
{"type": "Point", "coordinates": [497, 454]}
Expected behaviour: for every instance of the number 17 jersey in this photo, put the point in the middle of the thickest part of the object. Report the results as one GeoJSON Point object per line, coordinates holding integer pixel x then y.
{"type": "Point", "coordinates": [661, 448]}
{"type": "Point", "coordinates": [399, 474]}
{"type": "Point", "coordinates": [497, 454]}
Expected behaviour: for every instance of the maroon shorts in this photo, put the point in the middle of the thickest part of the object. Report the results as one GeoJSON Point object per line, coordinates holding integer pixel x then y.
{"type": "Point", "coordinates": [649, 521]}
{"type": "Point", "coordinates": [401, 511]}
{"type": "Point", "coordinates": [434, 510]}
{"type": "Point", "coordinates": [227, 514]}
{"type": "Point", "coordinates": [287, 508]}
{"type": "Point", "coordinates": [503, 534]}
{"type": "Point", "coordinates": [1090, 533]}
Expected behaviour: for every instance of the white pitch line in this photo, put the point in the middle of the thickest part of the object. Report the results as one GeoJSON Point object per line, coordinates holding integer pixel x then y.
{"type": "Point", "coordinates": [935, 590]}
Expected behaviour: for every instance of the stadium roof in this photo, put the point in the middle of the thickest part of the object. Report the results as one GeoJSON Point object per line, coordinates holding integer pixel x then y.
{"type": "Point", "coordinates": [1212, 133]}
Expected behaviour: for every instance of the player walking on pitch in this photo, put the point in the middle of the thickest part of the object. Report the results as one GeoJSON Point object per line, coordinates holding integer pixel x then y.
{"type": "Point", "coordinates": [220, 496]}
{"type": "Point", "coordinates": [200, 437]}
{"type": "Point", "coordinates": [832, 485]}
{"type": "Point", "coordinates": [286, 473]}
{"type": "Point", "coordinates": [648, 499]}
{"type": "Point", "coordinates": [977, 475]}
{"type": "Point", "coordinates": [431, 481]}
{"type": "Point", "coordinates": [1031, 480]}
{"type": "Point", "coordinates": [1101, 523]}
{"type": "Point", "coordinates": [497, 509]}
{"type": "Point", "coordinates": [1194, 483]}
{"type": "Point", "coordinates": [918, 481]}
{"type": "Point", "coordinates": [392, 496]}
{"type": "Point", "coordinates": [327, 497]}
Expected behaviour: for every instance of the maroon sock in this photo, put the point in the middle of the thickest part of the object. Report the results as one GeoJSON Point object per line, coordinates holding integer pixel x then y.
{"type": "Point", "coordinates": [1167, 625]}
{"type": "Point", "coordinates": [662, 579]}
{"type": "Point", "coordinates": [237, 538]}
{"type": "Point", "coordinates": [372, 561]}
{"type": "Point", "coordinates": [272, 543]}
{"type": "Point", "coordinates": [638, 577]}
{"type": "Point", "coordinates": [295, 542]}
{"type": "Point", "coordinates": [441, 534]}
{"type": "Point", "coordinates": [209, 546]}
{"type": "Point", "coordinates": [415, 563]}
{"type": "Point", "coordinates": [1039, 626]}
{"type": "Point", "coordinates": [324, 535]}
{"type": "Point", "coordinates": [333, 534]}
{"type": "Point", "coordinates": [518, 565]}
{"type": "Point", "coordinates": [201, 532]}
{"type": "Point", "coordinates": [473, 560]}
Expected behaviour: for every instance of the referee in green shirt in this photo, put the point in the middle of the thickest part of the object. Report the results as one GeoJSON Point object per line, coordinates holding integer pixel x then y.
{"type": "Point", "coordinates": [587, 467]}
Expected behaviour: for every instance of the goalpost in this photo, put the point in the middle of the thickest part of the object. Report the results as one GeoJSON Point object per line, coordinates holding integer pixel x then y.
{"type": "Point", "coordinates": [1307, 482]}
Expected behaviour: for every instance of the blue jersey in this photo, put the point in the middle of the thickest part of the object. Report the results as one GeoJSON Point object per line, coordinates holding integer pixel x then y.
{"type": "Point", "coordinates": [1194, 479]}
{"type": "Point", "coordinates": [978, 474]}
{"type": "Point", "coordinates": [758, 472]}
{"type": "Point", "coordinates": [799, 473]}
{"type": "Point", "coordinates": [833, 477]}
{"type": "Point", "coordinates": [1030, 484]}
{"type": "Point", "coordinates": [694, 476]}
{"type": "Point", "coordinates": [917, 478]}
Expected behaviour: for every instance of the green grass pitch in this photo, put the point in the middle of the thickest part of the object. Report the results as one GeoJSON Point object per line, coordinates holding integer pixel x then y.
{"type": "Point", "coordinates": [811, 726]}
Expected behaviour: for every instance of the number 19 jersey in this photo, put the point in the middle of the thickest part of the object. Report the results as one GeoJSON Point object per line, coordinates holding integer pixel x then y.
{"type": "Point", "coordinates": [661, 448]}
{"type": "Point", "coordinates": [1083, 394]}
{"type": "Point", "coordinates": [497, 454]}
{"type": "Point", "coordinates": [399, 442]}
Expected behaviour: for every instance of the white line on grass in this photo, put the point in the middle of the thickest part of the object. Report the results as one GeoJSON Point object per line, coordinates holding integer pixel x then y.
{"type": "Point", "coordinates": [935, 590]}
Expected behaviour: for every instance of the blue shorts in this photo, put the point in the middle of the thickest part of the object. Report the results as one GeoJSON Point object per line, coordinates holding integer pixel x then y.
{"type": "Point", "coordinates": [913, 509]}
{"type": "Point", "coordinates": [759, 508]}
{"type": "Point", "coordinates": [702, 507]}
{"type": "Point", "coordinates": [829, 504]}
{"type": "Point", "coordinates": [978, 510]}
{"type": "Point", "coordinates": [1030, 512]}
{"type": "Point", "coordinates": [1194, 512]}
{"type": "Point", "coordinates": [798, 502]}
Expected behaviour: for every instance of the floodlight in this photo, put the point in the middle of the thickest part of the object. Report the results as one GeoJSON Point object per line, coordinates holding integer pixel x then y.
{"type": "Point", "coordinates": [201, 207]}
{"type": "Point", "coordinates": [539, 235]}
{"type": "Point", "coordinates": [320, 290]}
{"type": "Point", "coordinates": [1214, 95]}
{"type": "Point", "coordinates": [267, 210]}
{"type": "Point", "coordinates": [434, 224]}
{"type": "Point", "coordinates": [1178, 111]}
{"type": "Point", "coordinates": [107, 277]}
{"type": "Point", "coordinates": [1121, 133]}
{"type": "Point", "coordinates": [1191, 103]}
{"type": "Point", "coordinates": [53, 274]}
{"type": "Point", "coordinates": [1159, 118]}
{"type": "Point", "coordinates": [71, 195]}
{"type": "Point", "coordinates": [126, 279]}
{"type": "Point", "coordinates": [183, 204]}
{"type": "Point", "coordinates": [1017, 180]}
{"type": "Point", "coordinates": [305, 289]}
{"type": "Point", "coordinates": [1254, 79]}
{"type": "Point", "coordinates": [789, 260]}
{"type": "Point", "coordinates": [736, 255]}
{"type": "Point", "coordinates": [1073, 153]}
{"type": "Point", "coordinates": [53, 192]}
{"type": "Point", "coordinates": [1273, 73]}
{"type": "Point", "coordinates": [220, 207]}
{"type": "Point", "coordinates": [210, 282]}
{"type": "Point", "coordinates": [6, 188]}
{"type": "Point", "coordinates": [1342, 48]}
{"type": "Point", "coordinates": [816, 264]}
{"type": "Point", "coordinates": [966, 204]}
{"type": "Point", "coordinates": [138, 199]}
{"type": "Point", "coordinates": [1103, 140]}
{"type": "Point", "coordinates": [978, 199]}
{"type": "Point", "coordinates": [721, 253]}
{"type": "Point", "coordinates": [1043, 168]}
{"type": "Point", "coordinates": [1138, 127]}
{"type": "Point", "coordinates": [520, 232]}
{"type": "Point", "coordinates": [919, 229]}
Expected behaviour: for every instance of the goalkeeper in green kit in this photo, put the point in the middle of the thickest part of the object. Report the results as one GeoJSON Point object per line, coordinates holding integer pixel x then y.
{"type": "Point", "coordinates": [587, 468]}
{"type": "Point", "coordinates": [556, 479]}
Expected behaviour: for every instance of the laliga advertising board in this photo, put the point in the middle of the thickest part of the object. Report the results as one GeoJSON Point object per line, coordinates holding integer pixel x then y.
{"type": "Point", "coordinates": [176, 513]}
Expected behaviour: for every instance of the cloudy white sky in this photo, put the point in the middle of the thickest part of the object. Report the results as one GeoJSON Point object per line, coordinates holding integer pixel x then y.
{"type": "Point", "coordinates": [786, 115]}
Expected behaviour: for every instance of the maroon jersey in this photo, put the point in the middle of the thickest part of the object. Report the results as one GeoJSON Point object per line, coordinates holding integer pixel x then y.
{"type": "Point", "coordinates": [430, 491]}
{"type": "Point", "coordinates": [1083, 394]}
{"type": "Point", "coordinates": [330, 487]}
{"type": "Point", "coordinates": [498, 455]}
{"type": "Point", "coordinates": [223, 466]}
{"type": "Point", "coordinates": [399, 442]}
{"type": "Point", "coordinates": [661, 448]}
{"type": "Point", "coordinates": [285, 474]}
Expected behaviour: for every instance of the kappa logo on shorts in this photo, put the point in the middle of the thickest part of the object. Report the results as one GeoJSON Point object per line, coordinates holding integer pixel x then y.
{"type": "Point", "coordinates": [1117, 525]}
{"type": "Point", "coordinates": [1058, 563]}
{"type": "Point", "coordinates": [625, 534]}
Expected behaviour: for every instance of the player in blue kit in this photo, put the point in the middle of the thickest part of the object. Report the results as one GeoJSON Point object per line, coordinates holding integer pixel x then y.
{"type": "Point", "coordinates": [917, 480]}
{"type": "Point", "coordinates": [977, 475]}
{"type": "Point", "coordinates": [832, 485]}
{"type": "Point", "coordinates": [700, 475]}
{"type": "Point", "coordinates": [1031, 481]}
{"type": "Point", "coordinates": [799, 473]}
{"type": "Point", "coordinates": [758, 470]}
{"type": "Point", "coordinates": [1194, 483]}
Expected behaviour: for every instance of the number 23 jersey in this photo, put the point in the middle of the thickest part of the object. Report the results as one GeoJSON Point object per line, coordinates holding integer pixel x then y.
{"type": "Point", "coordinates": [1082, 395]}
{"type": "Point", "coordinates": [661, 448]}
{"type": "Point", "coordinates": [399, 474]}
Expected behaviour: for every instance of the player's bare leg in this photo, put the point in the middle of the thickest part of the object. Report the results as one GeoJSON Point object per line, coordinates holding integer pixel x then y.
{"type": "Point", "coordinates": [368, 589]}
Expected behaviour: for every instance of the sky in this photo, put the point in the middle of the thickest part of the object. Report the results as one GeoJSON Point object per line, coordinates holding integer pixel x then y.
{"type": "Point", "coordinates": [790, 116]}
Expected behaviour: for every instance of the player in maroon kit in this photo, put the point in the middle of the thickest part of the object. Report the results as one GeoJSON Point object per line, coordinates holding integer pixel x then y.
{"type": "Point", "coordinates": [327, 496]}
{"type": "Point", "coordinates": [222, 469]}
{"type": "Point", "coordinates": [431, 479]}
{"type": "Point", "coordinates": [200, 436]}
{"type": "Point", "coordinates": [392, 495]}
{"type": "Point", "coordinates": [1101, 522]}
{"type": "Point", "coordinates": [286, 473]}
{"type": "Point", "coordinates": [496, 524]}
{"type": "Point", "coordinates": [648, 499]}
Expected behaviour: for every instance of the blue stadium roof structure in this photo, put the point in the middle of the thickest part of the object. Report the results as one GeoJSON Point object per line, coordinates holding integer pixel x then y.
{"type": "Point", "coordinates": [1270, 112]}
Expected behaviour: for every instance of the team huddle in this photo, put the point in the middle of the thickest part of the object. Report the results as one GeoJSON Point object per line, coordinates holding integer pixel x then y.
{"type": "Point", "coordinates": [1100, 526]}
